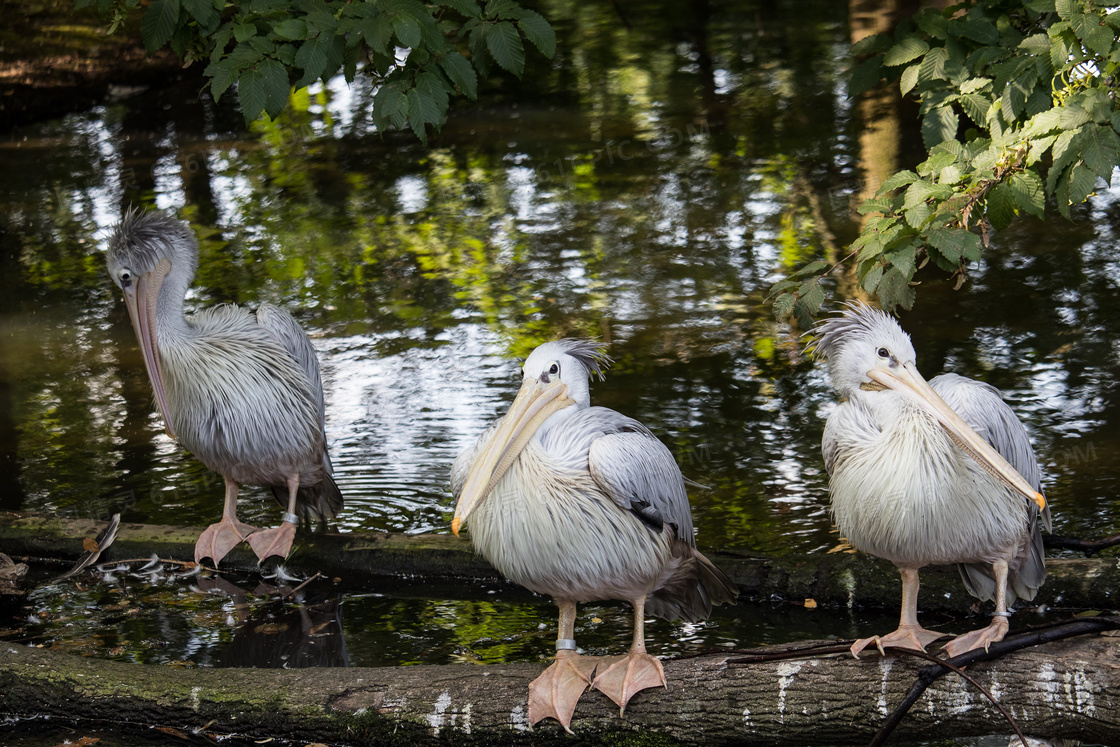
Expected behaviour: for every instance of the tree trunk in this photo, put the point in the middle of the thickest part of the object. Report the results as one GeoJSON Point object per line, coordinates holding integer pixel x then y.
{"type": "Point", "coordinates": [838, 580]}
{"type": "Point", "coordinates": [1064, 689]}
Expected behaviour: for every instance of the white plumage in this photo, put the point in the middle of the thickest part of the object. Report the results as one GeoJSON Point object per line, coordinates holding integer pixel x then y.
{"type": "Point", "coordinates": [583, 503]}
{"type": "Point", "coordinates": [240, 390]}
{"type": "Point", "coordinates": [928, 474]}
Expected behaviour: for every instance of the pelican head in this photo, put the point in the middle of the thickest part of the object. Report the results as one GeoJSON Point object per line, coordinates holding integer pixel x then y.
{"type": "Point", "coordinates": [556, 377]}
{"type": "Point", "coordinates": [144, 249]}
{"type": "Point", "coordinates": [869, 355]}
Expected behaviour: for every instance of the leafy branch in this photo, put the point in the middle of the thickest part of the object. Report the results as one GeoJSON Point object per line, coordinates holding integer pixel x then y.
{"type": "Point", "coordinates": [1017, 108]}
{"type": "Point", "coordinates": [420, 53]}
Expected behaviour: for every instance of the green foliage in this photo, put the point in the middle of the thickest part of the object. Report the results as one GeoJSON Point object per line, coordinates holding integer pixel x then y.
{"type": "Point", "coordinates": [1017, 108]}
{"type": "Point", "coordinates": [420, 53]}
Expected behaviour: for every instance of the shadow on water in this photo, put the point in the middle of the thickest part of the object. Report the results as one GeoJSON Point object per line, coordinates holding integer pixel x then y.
{"type": "Point", "coordinates": [646, 187]}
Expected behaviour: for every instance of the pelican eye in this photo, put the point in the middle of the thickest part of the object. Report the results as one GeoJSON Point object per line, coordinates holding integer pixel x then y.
{"type": "Point", "coordinates": [554, 369]}
{"type": "Point", "coordinates": [883, 353]}
{"type": "Point", "coordinates": [125, 277]}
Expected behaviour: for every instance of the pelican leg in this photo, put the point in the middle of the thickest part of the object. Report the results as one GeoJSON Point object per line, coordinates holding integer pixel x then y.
{"type": "Point", "coordinates": [993, 633]}
{"type": "Point", "coordinates": [625, 676]}
{"type": "Point", "coordinates": [556, 692]}
{"type": "Point", "coordinates": [278, 540]}
{"type": "Point", "coordinates": [217, 540]}
{"type": "Point", "coordinates": [909, 634]}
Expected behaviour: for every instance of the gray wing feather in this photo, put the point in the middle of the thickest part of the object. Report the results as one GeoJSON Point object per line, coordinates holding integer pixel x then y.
{"type": "Point", "coordinates": [982, 407]}
{"type": "Point", "coordinates": [324, 500]}
{"type": "Point", "coordinates": [293, 339]}
{"type": "Point", "coordinates": [639, 473]}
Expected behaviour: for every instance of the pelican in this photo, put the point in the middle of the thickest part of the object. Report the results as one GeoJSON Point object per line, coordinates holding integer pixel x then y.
{"type": "Point", "coordinates": [582, 503]}
{"type": "Point", "coordinates": [929, 474]}
{"type": "Point", "coordinates": [240, 391]}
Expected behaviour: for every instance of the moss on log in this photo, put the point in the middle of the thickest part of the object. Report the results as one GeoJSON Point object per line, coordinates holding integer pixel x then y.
{"type": "Point", "coordinates": [1065, 689]}
{"type": "Point", "coordinates": [837, 580]}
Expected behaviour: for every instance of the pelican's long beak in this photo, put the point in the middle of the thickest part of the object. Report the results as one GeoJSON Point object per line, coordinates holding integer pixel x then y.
{"type": "Point", "coordinates": [141, 301]}
{"type": "Point", "coordinates": [909, 382]}
{"type": "Point", "coordinates": [534, 403]}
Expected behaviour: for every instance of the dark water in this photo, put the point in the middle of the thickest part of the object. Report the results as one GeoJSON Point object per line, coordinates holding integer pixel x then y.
{"type": "Point", "coordinates": [645, 187]}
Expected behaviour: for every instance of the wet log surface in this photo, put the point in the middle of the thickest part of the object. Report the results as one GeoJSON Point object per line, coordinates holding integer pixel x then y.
{"type": "Point", "coordinates": [1065, 689]}
{"type": "Point", "coordinates": [838, 579]}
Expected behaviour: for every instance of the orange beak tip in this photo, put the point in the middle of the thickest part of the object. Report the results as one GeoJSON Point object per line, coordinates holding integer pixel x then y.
{"type": "Point", "coordinates": [1040, 500]}
{"type": "Point", "coordinates": [455, 526]}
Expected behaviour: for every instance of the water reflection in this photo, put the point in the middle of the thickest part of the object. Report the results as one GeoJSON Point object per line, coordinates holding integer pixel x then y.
{"type": "Point", "coordinates": [646, 187]}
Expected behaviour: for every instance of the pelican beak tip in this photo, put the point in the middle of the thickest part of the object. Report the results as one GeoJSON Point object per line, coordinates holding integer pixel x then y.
{"type": "Point", "coordinates": [455, 526]}
{"type": "Point", "coordinates": [1040, 500]}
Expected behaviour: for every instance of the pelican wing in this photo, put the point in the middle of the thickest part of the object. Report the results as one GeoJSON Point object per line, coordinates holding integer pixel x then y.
{"type": "Point", "coordinates": [639, 473]}
{"type": "Point", "coordinates": [982, 407]}
{"type": "Point", "coordinates": [293, 339]}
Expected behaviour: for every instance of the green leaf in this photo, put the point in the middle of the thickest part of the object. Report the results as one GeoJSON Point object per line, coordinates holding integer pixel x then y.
{"type": "Point", "coordinates": [460, 72]}
{"type": "Point", "coordinates": [933, 65]}
{"type": "Point", "coordinates": [204, 12]}
{"type": "Point", "coordinates": [291, 28]}
{"type": "Point", "coordinates": [466, 8]}
{"type": "Point", "coordinates": [909, 79]}
{"type": "Point", "coordinates": [407, 30]}
{"type": "Point", "coordinates": [312, 59]}
{"type": "Point", "coordinates": [504, 43]}
{"type": "Point", "coordinates": [932, 23]}
{"type": "Point", "coordinates": [872, 44]}
{"type": "Point", "coordinates": [1100, 149]}
{"type": "Point", "coordinates": [876, 205]}
{"type": "Point", "coordinates": [783, 305]}
{"type": "Point", "coordinates": [814, 268]}
{"type": "Point", "coordinates": [976, 106]}
{"type": "Point", "coordinates": [972, 85]}
{"type": "Point", "coordinates": [984, 32]}
{"type": "Point", "coordinates": [938, 125]}
{"type": "Point", "coordinates": [896, 180]}
{"type": "Point", "coordinates": [866, 76]}
{"type": "Point", "coordinates": [1001, 206]}
{"type": "Point", "coordinates": [1082, 184]}
{"type": "Point", "coordinates": [1038, 44]}
{"type": "Point", "coordinates": [955, 244]}
{"type": "Point", "coordinates": [937, 161]}
{"type": "Point", "coordinates": [812, 295]}
{"type": "Point", "coordinates": [909, 48]}
{"type": "Point", "coordinates": [222, 75]}
{"type": "Point", "coordinates": [1026, 186]}
{"type": "Point", "coordinates": [870, 281]}
{"type": "Point", "coordinates": [537, 30]}
{"type": "Point", "coordinates": [252, 94]}
{"type": "Point", "coordinates": [1095, 36]}
{"type": "Point", "coordinates": [895, 290]}
{"type": "Point", "coordinates": [159, 24]}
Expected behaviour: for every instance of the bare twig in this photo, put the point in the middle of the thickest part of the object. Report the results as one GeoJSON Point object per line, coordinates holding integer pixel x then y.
{"type": "Point", "coordinates": [1089, 547]}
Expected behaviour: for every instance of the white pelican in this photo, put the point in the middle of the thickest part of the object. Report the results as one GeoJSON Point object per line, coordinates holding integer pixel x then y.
{"type": "Point", "coordinates": [929, 474]}
{"type": "Point", "coordinates": [582, 503]}
{"type": "Point", "coordinates": [241, 391]}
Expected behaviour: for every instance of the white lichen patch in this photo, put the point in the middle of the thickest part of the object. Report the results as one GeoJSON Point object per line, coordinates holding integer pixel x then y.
{"type": "Point", "coordinates": [885, 666]}
{"type": "Point", "coordinates": [952, 697]}
{"type": "Point", "coordinates": [437, 718]}
{"type": "Point", "coordinates": [747, 717]}
{"type": "Point", "coordinates": [518, 719]}
{"type": "Point", "coordinates": [195, 698]}
{"type": "Point", "coordinates": [1068, 690]}
{"type": "Point", "coordinates": [787, 671]}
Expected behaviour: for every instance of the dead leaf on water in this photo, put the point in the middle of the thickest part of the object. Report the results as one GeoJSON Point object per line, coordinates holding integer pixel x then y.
{"type": "Point", "coordinates": [810, 604]}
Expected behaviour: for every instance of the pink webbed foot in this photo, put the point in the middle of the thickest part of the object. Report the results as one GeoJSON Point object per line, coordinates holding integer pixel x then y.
{"type": "Point", "coordinates": [907, 636]}
{"type": "Point", "coordinates": [624, 676]}
{"type": "Point", "coordinates": [274, 541]}
{"type": "Point", "coordinates": [978, 638]}
{"type": "Point", "coordinates": [555, 693]}
{"type": "Point", "coordinates": [217, 540]}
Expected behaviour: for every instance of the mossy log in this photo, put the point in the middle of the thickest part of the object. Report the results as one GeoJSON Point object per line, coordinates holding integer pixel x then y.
{"type": "Point", "coordinates": [838, 580]}
{"type": "Point", "coordinates": [1064, 689]}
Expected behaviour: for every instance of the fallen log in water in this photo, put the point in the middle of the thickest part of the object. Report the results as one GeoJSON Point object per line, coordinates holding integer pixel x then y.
{"type": "Point", "coordinates": [839, 579]}
{"type": "Point", "coordinates": [1064, 689]}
